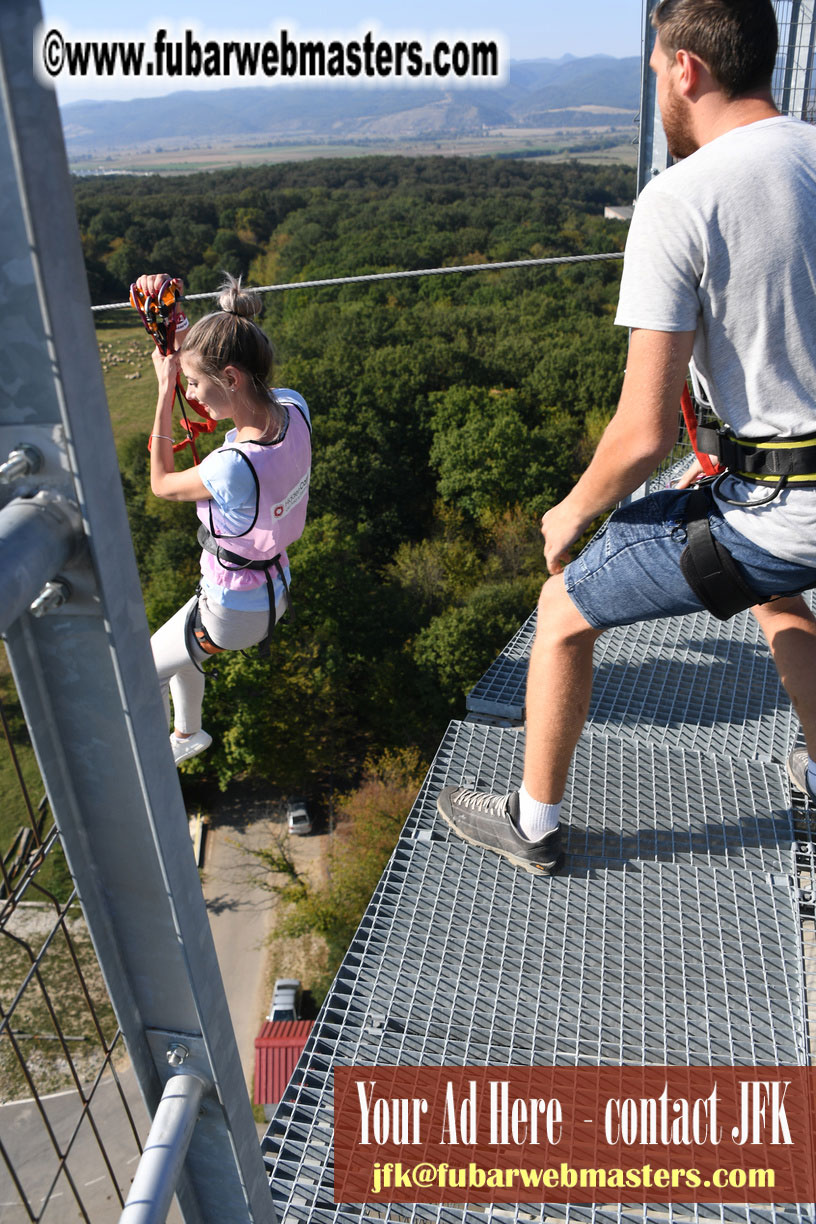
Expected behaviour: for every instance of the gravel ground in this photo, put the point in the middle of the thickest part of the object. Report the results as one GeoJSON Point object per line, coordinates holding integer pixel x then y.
{"type": "Point", "coordinates": [53, 1002]}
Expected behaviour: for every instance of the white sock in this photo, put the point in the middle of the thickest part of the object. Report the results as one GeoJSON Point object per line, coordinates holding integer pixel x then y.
{"type": "Point", "coordinates": [536, 818]}
{"type": "Point", "coordinates": [811, 774]}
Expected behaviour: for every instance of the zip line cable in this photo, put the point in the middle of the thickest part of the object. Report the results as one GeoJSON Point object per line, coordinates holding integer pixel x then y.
{"type": "Point", "coordinates": [378, 276]}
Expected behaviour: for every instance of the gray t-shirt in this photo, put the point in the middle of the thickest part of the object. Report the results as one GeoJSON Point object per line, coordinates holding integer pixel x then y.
{"type": "Point", "coordinates": [724, 242]}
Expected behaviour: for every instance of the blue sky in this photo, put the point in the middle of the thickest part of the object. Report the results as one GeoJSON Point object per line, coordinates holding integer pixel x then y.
{"type": "Point", "coordinates": [548, 28]}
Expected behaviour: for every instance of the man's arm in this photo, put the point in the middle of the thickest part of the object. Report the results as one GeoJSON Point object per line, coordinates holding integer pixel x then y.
{"type": "Point", "coordinates": [641, 433]}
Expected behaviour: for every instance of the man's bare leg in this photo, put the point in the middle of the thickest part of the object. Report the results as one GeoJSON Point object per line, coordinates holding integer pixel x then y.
{"type": "Point", "coordinates": [524, 826]}
{"type": "Point", "coordinates": [790, 630]}
{"type": "Point", "coordinates": [559, 686]}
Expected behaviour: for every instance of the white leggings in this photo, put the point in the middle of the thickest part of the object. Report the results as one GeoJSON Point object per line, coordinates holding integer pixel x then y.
{"type": "Point", "coordinates": [178, 676]}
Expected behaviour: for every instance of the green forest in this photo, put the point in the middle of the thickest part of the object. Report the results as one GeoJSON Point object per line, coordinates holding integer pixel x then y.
{"type": "Point", "coordinates": [449, 412]}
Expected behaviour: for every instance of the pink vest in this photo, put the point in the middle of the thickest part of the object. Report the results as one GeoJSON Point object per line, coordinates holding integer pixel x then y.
{"type": "Point", "coordinates": [281, 471]}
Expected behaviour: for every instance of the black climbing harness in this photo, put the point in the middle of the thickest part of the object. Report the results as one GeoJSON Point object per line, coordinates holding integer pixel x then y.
{"type": "Point", "coordinates": [195, 634]}
{"type": "Point", "coordinates": [708, 567]}
{"type": "Point", "coordinates": [776, 462]}
{"type": "Point", "coordinates": [771, 461]}
{"type": "Point", "coordinates": [234, 561]}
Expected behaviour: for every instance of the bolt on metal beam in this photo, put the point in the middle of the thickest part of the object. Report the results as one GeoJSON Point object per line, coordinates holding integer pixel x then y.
{"type": "Point", "coordinates": [24, 460]}
{"type": "Point", "coordinates": [38, 536]}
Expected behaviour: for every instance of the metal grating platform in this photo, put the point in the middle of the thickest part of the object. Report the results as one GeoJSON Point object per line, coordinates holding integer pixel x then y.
{"type": "Point", "coordinates": [696, 682]}
{"type": "Point", "coordinates": [463, 952]}
{"type": "Point", "coordinates": [462, 959]}
{"type": "Point", "coordinates": [675, 938]}
{"type": "Point", "coordinates": [641, 954]}
{"type": "Point", "coordinates": [399, 1213]}
{"type": "Point", "coordinates": [500, 693]}
{"type": "Point", "coordinates": [680, 935]}
{"type": "Point", "coordinates": [628, 801]}
{"type": "Point", "coordinates": [692, 681]}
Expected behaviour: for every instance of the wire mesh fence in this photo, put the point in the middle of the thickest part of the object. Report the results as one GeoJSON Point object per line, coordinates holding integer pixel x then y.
{"type": "Point", "coordinates": [794, 83]}
{"type": "Point", "coordinates": [69, 1137]}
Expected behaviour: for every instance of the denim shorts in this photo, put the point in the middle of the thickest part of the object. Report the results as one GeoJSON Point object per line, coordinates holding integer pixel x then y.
{"type": "Point", "coordinates": [630, 570]}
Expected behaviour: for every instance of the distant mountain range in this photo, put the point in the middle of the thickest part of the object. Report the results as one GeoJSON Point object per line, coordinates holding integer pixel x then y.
{"type": "Point", "coordinates": [571, 92]}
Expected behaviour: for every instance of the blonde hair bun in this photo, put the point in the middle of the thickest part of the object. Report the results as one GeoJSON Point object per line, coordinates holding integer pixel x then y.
{"type": "Point", "coordinates": [233, 299]}
{"type": "Point", "coordinates": [230, 336]}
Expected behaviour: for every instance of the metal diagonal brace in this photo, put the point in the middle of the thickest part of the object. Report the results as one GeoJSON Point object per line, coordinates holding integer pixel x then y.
{"type": "Point", "coordinates": [38, 536]}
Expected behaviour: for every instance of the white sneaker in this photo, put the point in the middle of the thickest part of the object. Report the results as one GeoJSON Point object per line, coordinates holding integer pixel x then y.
{"type": "Point", "coordinates": [798, 772]}
{"type": "Point", "coordinates": [183, 749]}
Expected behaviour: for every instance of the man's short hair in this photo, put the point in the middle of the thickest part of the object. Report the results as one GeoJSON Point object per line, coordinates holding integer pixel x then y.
{"type": "Point", "coordinates": [735, 39]}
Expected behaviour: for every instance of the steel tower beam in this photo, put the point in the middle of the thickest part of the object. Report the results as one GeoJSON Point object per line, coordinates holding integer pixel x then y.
{"type": "Point", "coordinates": [653, 155]}
{"type": "Point", "coordinates": [84, 671]}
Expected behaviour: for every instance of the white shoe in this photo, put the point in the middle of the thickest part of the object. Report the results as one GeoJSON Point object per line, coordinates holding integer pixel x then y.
{"type": "Point", "coordinates": [183, 749]}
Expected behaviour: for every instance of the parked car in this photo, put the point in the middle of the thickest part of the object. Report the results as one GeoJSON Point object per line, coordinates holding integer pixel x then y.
{"type": "Point", "coordinates": [297, 817]}
{"type": "Point", "coordinates": [285, 1000]}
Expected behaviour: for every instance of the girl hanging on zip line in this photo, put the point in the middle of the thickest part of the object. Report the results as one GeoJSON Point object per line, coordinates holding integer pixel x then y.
{"type": "Point", "coordinates": [250, 494]}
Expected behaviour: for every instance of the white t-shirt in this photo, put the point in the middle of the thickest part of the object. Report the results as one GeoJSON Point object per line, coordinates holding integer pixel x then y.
{"type": "Point", "coordinates": [724, 243]}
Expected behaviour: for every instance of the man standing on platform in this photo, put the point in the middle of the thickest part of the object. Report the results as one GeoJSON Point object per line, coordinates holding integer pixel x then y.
{"type": "Point", "coordinates": [719, 271]}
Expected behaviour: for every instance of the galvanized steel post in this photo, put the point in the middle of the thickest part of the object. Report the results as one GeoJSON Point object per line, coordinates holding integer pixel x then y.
{"type": "Point", "coordinates": [653, 153]}
{"type": "Point", "coordinates": [83, 668]}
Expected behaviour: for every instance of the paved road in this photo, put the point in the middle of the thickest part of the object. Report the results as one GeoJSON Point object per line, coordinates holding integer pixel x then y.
{"type": "Point", "coordinates": [35, 1162]}
{"type": "Point", "coordinates": [240, 920]}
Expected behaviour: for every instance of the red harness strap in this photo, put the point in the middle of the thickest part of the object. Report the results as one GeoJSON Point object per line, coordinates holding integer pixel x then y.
{"type": "Point", "coordinates": [162, 318]}
{"type": "Point", "coordinates": [690, 418]}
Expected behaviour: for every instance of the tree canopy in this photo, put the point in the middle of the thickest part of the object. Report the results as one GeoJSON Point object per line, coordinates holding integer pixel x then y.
{"type": "Point", "coordinates": [449, 412]}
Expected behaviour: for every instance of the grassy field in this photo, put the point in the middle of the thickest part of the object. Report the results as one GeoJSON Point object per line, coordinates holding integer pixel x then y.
{"type": "Point", "coordinates": [54, 999]}
{"type": "Point", "coordinates": [558, 144]}
{"type": "Point", "coordinates": [22, 791]}
{"type": "Point", "coordinates": [125, 352]}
